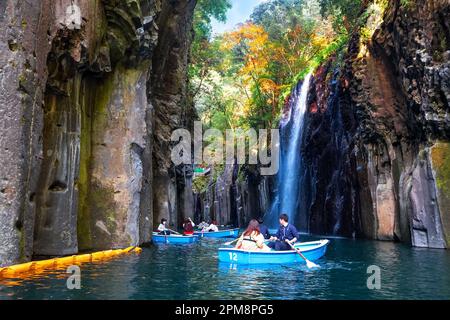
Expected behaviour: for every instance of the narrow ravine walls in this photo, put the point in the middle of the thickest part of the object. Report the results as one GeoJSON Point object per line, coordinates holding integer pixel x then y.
{"type": "Point", "coordinates": [172, 110]}
{"type": "Point", "coordinates": [90, 92]}
{"type": "Point", "coordinates": [376, 140]}
{"type": "Point", "coordinates": [374, 126]}
{"type": "Point", "coordinates": [79, 116]}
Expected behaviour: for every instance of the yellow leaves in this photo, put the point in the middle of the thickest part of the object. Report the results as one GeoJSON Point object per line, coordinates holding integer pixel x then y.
{"type": "Point", "coordinates": [268, 85]}
{"type": "Point", "coordinates": [252, 40]}
{"type": "Point", "coordinates": [257, 66]}
{"type": "Point", "coordinates": [320, 41]}
{"type": "Point", "coordinates": [252, 33]}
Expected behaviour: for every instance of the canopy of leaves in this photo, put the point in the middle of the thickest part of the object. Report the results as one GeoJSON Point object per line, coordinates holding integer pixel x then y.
{"type": "Point", "coordinates": [344, 13]}
{"type": "Point", "coordinates": [204, 11]}
{"type": "Point", "coordinates": [241, 78]}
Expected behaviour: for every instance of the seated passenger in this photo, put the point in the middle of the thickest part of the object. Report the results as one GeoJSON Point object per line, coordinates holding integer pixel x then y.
{"type": "Point", "coordinates": [252, 239]}
{"type": "Point", "coordinates": [188, 227]}
{"type": "Point", "coordinates": [211, 228]}
{"type": "Point", "coordinates": [263, 229]}
{"type": "Point", "coordinates": [202, 225]}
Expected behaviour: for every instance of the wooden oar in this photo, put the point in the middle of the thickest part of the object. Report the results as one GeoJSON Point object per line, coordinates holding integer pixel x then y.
{"type": "Point", "coordinates": [308, 263]}
{"type": "Point", "coordinates": [231, 242]}
{"type": "Point", "coordinates": [175, 232]}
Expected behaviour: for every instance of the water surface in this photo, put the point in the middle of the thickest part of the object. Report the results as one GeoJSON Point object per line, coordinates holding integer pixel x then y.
{"type": "Point", "coordinates": [193, 272]}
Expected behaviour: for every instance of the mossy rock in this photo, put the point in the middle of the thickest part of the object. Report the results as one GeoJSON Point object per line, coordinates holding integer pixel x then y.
{"type": "Point", "coordinates": [440, 158]}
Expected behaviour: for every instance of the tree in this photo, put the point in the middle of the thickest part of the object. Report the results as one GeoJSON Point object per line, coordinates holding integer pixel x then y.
{"type": "Point", "coordinates": [204, 11]}
{"type": "Point", "coordinates": [277, 16]}
{"type": "Point", "coordinates": [203, 51]}
{"type": "Point", "coordinates": [241, 78]}
{"type": "Point", "coordinates": [343, 12]}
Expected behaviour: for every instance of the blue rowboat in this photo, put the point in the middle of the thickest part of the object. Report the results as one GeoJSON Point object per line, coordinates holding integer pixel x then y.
{"type": "Point", "coordinates": [173, 239]}
{"type": "Point", "coordinates": [313, 250]}
{"type": "Point", "coordinates": [230, 233]}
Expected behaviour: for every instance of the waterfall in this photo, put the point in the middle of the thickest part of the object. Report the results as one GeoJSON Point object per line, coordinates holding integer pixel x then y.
{"type": "Point", "coordinates": [290, 196]}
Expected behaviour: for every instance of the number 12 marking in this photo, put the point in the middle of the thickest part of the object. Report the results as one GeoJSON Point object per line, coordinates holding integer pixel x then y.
{"type": "Point", "coordinates": [233, 256]}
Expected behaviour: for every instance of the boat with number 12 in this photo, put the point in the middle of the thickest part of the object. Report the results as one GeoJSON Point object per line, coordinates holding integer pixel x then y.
{"type": "Point", "coordinates": [313, 250]}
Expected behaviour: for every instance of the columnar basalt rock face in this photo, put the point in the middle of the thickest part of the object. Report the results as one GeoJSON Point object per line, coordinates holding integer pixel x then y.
{"type": "Point", "coordinates": [385, 109]}
{"type": "Point", "coordinates": [117, 173]}
{"type": "Point", "coordinates": [78, 122]}
{"type": "Point", "coordinates": [233, 201]}
{"type": "Point", "coordinates": [326, 148]}
{"type": "Point", "coordinates": [171, 107]}
{"type": "Point", "coordinates": [98, 73]}
{"type": "Point", "coordinates": [22, 79]}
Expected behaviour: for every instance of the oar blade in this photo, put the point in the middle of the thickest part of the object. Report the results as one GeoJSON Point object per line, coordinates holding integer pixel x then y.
{"type": "Point", "coordinates": [311, 265]}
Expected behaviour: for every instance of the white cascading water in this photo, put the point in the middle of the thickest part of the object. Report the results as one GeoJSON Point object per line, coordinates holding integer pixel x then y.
{"type": "Point", "coordinates": [289, 196]}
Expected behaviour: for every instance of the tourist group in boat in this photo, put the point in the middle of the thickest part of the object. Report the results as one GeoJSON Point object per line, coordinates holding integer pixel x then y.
{"type": "Point", "coordinates": [255, 245]}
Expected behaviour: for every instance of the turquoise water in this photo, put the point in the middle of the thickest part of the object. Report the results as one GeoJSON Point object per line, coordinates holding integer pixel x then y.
{"type": "Point", "coordinates": [193, 272]}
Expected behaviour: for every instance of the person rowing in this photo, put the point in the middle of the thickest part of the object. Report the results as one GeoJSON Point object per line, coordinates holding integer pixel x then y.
{"type": "Point", "coordinates": [252, 239]}
{"type": "Point", "coordinates": [286, 235]}
{"type": "Point", "coordinates": [162, 228]}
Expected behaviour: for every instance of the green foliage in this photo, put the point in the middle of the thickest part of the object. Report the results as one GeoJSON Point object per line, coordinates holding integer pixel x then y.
{"type": "Point", "coordinates": [344, 13]}
{"type": "Point", "coordinates": [204, 11]}
{"type": "Point", "coordinates": [278, 16]}
{"type": "Point", "coordinates": [337, 45]}
{"type": "Point", "coordinates": [218, 170]}
{"type": "Point", "coordinates": [200, 184]}
{"type": "Point", "coordinates": [204, 58]}
{"type": "Point", "coordinates": [242, 78]}
{"type": "Point", "coordinates": [203, 51]}
{"type": "Point", "coordinates": [405, 3]}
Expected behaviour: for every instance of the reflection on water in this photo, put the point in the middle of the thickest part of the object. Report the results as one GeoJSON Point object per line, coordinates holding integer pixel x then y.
{"type": "Point", "coordinates": [193, 272]}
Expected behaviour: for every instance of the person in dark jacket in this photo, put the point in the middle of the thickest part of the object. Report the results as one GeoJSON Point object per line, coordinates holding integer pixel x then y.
{"type": "Point", "coordinates": [287, 234]}
{"type": "Point", "coordinates": [263, 229]}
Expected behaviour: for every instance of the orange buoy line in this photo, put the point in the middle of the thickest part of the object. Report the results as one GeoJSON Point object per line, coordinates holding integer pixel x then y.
{"type": "Point", "coordinates": [36, 267]}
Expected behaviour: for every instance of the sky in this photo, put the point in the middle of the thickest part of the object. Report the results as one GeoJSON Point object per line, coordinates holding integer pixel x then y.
{"type": "Point", "coordinates": [240, 12]}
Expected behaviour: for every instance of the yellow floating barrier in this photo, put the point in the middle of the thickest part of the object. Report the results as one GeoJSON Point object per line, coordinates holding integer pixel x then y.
{"type": "Point", "coordinates": [65, 261]}
{"type": "Point", "coordinates": [45, 264]}
{"type": "Point", "coordinates": [109, 253]}
{"type": "Point", "coordinates": [83, 258]}
{"type": "Point", "coordinates": [19, 270]}
{"type": "Point", "coordinates": [6, 272]}
{"type": "Point", "coordinates": [98, 256]}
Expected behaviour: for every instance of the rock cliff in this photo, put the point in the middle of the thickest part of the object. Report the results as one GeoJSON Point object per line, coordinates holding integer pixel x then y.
{"type": "Point", "coordinates": [173, 197]}
{"type": "Point", "coordinates": [233, 198]}
{"type": "Point", "coordinates": [377, 141]}
{"type": "Point", "coordinates": [90, 92]}
{"type": "Point", "coordinates": [87, 88]}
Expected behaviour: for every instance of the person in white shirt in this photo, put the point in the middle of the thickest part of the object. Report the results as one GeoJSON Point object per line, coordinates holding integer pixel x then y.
{"type": "Point", "coordinates": [212, 227]}
{"type": "Point", "coordinates": [162, 228]}
{"type": "Point", "coordinates": [202, 225]}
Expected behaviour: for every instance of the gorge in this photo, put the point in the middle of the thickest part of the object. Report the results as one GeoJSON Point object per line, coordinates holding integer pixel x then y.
{"type": "Point", "coordinates": [91, 91]}
{"type": "Point", "coordinates": [375, 145]}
